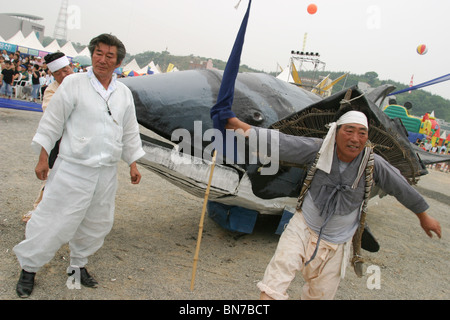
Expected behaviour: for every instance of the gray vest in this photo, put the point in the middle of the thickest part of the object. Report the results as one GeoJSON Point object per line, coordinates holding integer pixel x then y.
{"type": "Point", "coordinates": [333, 193]}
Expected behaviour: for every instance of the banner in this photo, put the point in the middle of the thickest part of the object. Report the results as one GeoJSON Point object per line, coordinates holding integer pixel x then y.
{"type": "Point", "coordinates": [12, 48]}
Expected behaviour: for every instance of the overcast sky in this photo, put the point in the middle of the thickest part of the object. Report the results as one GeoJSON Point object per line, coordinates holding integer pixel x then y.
{"type": "Point", "coordinates": [351, 35]}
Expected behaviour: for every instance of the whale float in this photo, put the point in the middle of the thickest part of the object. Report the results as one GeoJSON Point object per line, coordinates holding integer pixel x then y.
{"type": "Point", "coordinates": [181, 102]}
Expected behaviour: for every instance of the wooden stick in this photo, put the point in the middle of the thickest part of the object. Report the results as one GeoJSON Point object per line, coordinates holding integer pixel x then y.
{"type": "Point", "coordinates": [200, 229]}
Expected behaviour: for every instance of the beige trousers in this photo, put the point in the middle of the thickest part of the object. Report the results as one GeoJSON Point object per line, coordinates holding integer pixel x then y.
{"type": "Point", "coordinates": [295, 247]}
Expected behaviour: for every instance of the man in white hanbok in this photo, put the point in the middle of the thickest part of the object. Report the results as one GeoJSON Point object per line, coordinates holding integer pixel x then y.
{"type": "Point", "coordinates": [95, 116]}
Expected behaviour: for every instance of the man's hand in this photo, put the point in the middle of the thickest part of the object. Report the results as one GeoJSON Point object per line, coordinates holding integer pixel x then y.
{"type": "Point", "coordinates": [134, 174]}
{"type": "Point", "coordinates": [42, 167]}
{"type": "Point", "coordinates": [429, 224]}
{"type": "Point", "coordinates": [235, 123]}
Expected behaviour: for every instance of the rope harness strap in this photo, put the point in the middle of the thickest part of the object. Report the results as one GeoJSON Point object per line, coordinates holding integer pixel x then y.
{"type": "Point", "coordinates": [366, 167]}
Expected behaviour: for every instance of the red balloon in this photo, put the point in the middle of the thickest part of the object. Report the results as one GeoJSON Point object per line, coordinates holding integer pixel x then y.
{"type": "Point", "coordinates": [312, 8]}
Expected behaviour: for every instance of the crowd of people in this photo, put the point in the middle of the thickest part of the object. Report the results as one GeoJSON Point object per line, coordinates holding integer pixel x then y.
{"type": "Point", "coordinates": [428, 146]}
{"type": "Point", "coordinates": [25, 77]}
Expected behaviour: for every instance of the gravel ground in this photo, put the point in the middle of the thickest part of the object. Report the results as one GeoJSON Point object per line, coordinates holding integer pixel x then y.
{"type": "Point", "coordinates": [149, 252]}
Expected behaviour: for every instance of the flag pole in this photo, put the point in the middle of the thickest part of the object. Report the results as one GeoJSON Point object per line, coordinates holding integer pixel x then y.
{"type": "Point", "coordinates": [202, 218]}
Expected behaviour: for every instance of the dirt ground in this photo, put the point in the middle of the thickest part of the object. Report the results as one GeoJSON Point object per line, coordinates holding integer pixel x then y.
{"type": "Point", "coordinates": [149, 252]}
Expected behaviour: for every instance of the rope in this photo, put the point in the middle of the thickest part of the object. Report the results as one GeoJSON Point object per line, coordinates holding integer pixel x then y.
{"type": "Point", "coordinates": [348, 101]}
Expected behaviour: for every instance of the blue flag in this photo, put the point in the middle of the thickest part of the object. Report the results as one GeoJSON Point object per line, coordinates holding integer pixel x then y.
{"type": "Point", "coordinates": [423, 84]}
{"type": "Point", "coordinates": [221, 111]}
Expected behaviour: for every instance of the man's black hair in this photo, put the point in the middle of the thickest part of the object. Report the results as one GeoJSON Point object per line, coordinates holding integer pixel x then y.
{"type": "Point", "coordinates": [109, 40]}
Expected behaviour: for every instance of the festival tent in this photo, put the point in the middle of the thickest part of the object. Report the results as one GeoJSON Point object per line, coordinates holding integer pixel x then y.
{"type": "Point", "coordinates": [152, 69]}
{"type": "Point", "coordinates": [1, 39]}
{"type": "Point", "coordinates": [143, 70]}
{"type": "Point", "coordinates": [85, 52]}
{"type": "Point", "coordinates": [69, 50]}
{"type": "Point", "coordinates": [16, 39]}
{"type": "Point", "coordinates": [132, 66]}
{"type": "Point", "coordinates": [285, 75]}
{"type": "Point", "coordinates": [32, 42]}
{"type": "Point", "coordinates": [53, 47]}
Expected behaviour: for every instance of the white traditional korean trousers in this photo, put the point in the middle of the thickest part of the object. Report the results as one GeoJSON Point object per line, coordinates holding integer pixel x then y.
{"type": "Point", "coordinates": [79, 212]}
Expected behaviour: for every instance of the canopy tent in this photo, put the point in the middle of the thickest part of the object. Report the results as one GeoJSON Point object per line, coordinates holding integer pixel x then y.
{"type": "Point", "coordinates": [1, 39]}
{"type": "Point", "coordinates": [16, 39]}
{"type": "Point", "coordinates": [85, 52]}
{"type": "Point", "coordinates": [132, 66]}
{"type": "Point", "coordinates": [285, 75]}
{"type": "Point", "coordinates": [152, 69]}
{"type": "Point", "coordinates": [142, 70]}
{"type": "Point", "coordinates": [69, 50]}
{"type": "Point", "coordinates": [32, 42]}
{"type": "Point", "coordinates": [53, 47]}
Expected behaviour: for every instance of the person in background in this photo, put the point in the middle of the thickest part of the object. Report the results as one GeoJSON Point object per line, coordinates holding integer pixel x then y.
{"type": "Point", "coordinates": [59, 65]}
{"type": "Point", "coordinates": [35, 81]}
{"type": "Point", "coordinates": [6, 80]}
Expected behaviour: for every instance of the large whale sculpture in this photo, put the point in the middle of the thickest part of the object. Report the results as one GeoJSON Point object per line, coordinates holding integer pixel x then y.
{"type": "Point", "coordinates": [176, 106]}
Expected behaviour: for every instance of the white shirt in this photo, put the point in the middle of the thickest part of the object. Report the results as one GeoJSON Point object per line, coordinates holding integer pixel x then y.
{"type": "Point", "coordinates": [90, 135]}
{"type": "Point", "coordinates": [105, 93]}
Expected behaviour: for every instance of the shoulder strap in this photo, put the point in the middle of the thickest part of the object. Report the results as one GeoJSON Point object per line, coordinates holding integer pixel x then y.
{"type": "Point", "coordinates": [307, 181]}
{"type": "Point", "coordinates": [357, 260]}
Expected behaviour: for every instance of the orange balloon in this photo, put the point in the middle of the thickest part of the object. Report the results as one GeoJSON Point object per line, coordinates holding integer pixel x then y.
{"type": "Point", "coordinates": [312, 8]}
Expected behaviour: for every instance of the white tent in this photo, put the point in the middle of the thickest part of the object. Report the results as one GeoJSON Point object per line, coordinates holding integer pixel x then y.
{"type": "Point", "coordinates": [286, 75]}
{"type": "Point", "coordinates": [32, 42]}
{"type": "Point", "coordinates": [16, 39]}
{"type": "Point", "coordinates": [142, 70]}
{"type": "Point", "coordinates": [53, 47]}
{"type": "Point", "coordinates": [132, 66]}
{"type": "Point", "coordinates": [153, 68]}
{"type": "Point", "coordinates": [69, 50]}
{"type": "Point", "coordinates": [1, 39]}
{"type": "Point", "coordinates": [85, 52]}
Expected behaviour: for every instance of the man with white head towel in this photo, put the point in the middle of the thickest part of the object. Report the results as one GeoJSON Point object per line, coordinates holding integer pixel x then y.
{"type": "Point", "coordinates": [318, 238]}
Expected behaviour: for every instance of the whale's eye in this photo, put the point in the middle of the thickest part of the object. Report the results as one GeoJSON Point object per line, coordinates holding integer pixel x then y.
{"type": "Point", "coordinates": [257, 116]}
